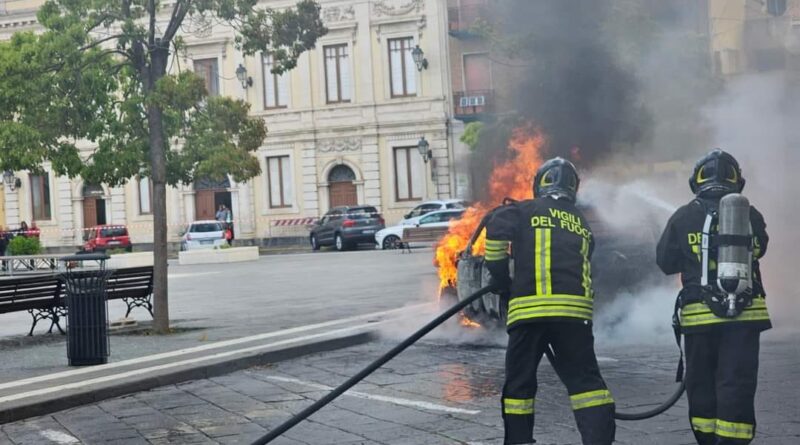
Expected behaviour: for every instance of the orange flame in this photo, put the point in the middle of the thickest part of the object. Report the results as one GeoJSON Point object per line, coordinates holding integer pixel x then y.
{"type": "Point", "coordinates": [511, 179]}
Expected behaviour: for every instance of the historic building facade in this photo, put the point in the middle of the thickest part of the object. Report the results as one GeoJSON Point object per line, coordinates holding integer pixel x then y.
{"type": "Point", "coordinates": [344, 129]}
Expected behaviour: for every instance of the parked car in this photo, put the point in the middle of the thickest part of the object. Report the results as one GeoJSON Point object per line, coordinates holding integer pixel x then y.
{"type": "Point", "coordinates": [344, 227]}
{"type": "Point", "coordinates": [106, 237]}
{"type": "Point", "coordinates": [390, 237]}
{"type": "Point", "coordinates": [206, 234]}
{"type": "Point", "coordinates": [432, 206]}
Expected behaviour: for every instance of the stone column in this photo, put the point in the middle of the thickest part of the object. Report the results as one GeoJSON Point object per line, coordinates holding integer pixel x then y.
{"type": "Point", "coordinates": [70, 233]}
{"type": "Point", "coordinates": [370, 163]}
{"type": "Point", "coordinates": [310, 194]}
{"type": "Point", "coordinates": [116, 212]}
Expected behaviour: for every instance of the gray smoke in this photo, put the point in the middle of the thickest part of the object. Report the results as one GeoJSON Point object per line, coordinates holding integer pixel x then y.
{"type": "Point", "coordinates": [572, 84]}
{"type": "Point", "coordinates": [755, 119]}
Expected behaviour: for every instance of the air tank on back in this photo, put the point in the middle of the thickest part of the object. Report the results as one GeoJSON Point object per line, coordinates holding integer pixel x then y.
{"type": "Point", "coordinates": [735, 255]}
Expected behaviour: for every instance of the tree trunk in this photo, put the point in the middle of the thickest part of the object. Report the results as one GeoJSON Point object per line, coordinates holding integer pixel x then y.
{"type": "Point", "coordinates": [158, 162]}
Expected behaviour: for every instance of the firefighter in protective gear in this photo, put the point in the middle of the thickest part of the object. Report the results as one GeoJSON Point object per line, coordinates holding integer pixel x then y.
{"type": "Point", "coordinates": [550, 304]}
{"type": "Point", "coordinates": [721, 351]}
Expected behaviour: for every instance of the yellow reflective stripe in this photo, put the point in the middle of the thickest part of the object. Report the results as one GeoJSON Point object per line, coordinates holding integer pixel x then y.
{"type": "Point", "coordinates": [591, 399]}
{"type": "Point", "coordinates": [548, 277]}
{"type": "Point", "coordinates": [496, 244]}
{"type": "Point", "coordinates": [495, 256]}
{"type": "Point", "coordinates": [704, 425]}
{"type": "Point", "coordinates": [518, 406]}
{"type": "Point", "coordinates": [549, 311]}
{"type": "Point", "coordinates": [541, 300]}
{"type": "Point", "coordinates": [587, 268]}
{"type": "Point", "coordinates": [698, 314]}
{"type": "Point", "coordinates": [701, 308]}
{"type": "Point", "coordinates": [734, 430]}
{"type": "Point", "coordinates": [538, 262]}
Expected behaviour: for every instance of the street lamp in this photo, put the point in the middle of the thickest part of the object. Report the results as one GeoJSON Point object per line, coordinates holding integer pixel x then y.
{"type": "Point", "coordinates": [11, 181]}
{"type": "Point", "coordinates": [424, 149]}
{"type": "Point", "coordinates": [419, 58]}
{"type": "Point", "coordinates": [241, 74]}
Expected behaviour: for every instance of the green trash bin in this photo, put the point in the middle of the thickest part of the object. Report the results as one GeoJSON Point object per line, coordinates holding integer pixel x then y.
{"type": "Point", "coordinates": [87, 309]}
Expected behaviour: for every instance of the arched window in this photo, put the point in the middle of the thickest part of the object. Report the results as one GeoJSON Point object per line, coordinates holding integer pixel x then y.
{"type": "Point", "coordinates": [341, 173]}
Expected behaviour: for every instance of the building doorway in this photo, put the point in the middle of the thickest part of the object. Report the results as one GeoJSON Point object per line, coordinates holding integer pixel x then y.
{"type": "Point", "coordinates": [341, 187]}
{"type": "Point", "coordinates": [209, 195]}
{"type": "Point", "coordinates": [94, 205]}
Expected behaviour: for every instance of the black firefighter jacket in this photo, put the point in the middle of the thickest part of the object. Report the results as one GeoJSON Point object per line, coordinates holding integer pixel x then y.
{"type": "Point", "coordinates": [679, 251]}
{"type": "Point", "coordinates": [552, 245]}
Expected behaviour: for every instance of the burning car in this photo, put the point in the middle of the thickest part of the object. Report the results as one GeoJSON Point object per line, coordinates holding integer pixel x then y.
{"type": "Point", "coordinates": [623, 258]}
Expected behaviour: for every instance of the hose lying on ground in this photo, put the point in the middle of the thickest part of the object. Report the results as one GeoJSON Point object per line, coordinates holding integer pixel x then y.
{"type": "Point", "coordinates": [280, 429]}
{"type": "Point", "coordinates": [633, 416]}
{"type": "Point", "coordinates": [316, 406]}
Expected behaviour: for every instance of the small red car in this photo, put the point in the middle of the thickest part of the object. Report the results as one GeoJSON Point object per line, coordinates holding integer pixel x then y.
{"type": "Point", "coordinates": [101, 238]}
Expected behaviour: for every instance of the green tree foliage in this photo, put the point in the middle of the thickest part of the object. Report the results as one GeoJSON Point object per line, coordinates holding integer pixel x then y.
{"type": "Point", "coordinates": [472, 133]}
{"type": "Point", "coordinates": [97, 74]}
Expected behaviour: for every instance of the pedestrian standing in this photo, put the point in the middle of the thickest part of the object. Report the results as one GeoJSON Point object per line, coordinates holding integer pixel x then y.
{"type": "Point", "coordinates": [220, 215]}
{"type": "Point", "coordinates": [550, 304]}
{"type": "Point", "coordinates": [721, 352]}
{"type": "Point", "coordinates": [228, 215]}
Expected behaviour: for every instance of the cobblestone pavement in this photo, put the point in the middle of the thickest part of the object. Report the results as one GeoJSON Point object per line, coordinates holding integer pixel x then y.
{"type": "Point", "coordinates": [437, 392]}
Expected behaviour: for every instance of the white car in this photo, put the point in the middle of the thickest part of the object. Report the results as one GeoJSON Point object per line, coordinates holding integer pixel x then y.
{"type": "Point", "coordinates": [207, 234]}
{"type": "Point", "coordinates": [431, 206]}
{"type": "Point", "coordinates": [389, 237]}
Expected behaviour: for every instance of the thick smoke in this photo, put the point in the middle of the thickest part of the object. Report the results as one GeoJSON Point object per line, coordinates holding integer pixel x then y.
{"type": "Point", "coordinates": [574, 88]}
{"type": "Point", "coordinates": [756, 120]}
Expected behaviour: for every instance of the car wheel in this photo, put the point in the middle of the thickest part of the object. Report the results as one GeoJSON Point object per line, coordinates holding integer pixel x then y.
{"type": "Point", "coordinates": [339, 243]}
{"type": "Point", "coordinates": [390, 242]}
{"type": "Point", "coordinates": [129, 249]}
{"type": "Point", "coordinates": [314, 242]}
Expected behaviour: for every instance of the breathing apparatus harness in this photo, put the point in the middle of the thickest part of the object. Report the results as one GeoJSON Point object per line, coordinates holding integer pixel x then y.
{"type": "Point", "coordinates": [726, 245]}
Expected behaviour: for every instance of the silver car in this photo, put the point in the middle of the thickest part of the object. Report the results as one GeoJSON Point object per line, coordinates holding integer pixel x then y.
{"type": "Point", "coordinates": [207, 234]}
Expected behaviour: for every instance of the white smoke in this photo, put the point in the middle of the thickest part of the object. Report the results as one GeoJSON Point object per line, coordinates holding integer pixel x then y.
{"type": "Point", "coordinates": [756, 120]}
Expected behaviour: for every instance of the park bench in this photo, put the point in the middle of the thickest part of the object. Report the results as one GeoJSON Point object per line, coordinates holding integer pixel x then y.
{"type": "Point", "coordinates": [40, 295]}
{"type": "Point", "coordinates": [134, 286]}
{"type": "Point", "coordinates": [421, 235]}
{"type": "Point", "coordinates": [43, 295]}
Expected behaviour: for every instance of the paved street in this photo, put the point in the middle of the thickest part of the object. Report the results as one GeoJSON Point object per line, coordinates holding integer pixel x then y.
{"type": "Point", "coordinates": [439, 392]}
{"type": "Point", "coordinates": [219, 302]}
{"type": "Point", "coordinates": [443, 391]}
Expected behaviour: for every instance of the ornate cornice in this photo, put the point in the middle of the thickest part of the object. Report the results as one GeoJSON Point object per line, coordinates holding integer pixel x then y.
{"type": "Point", "coordinates": [394, 8]}
{"type": "Point", "coordinates": [334, 14]}
{"type": "Point", "coordinates": [339, 145]}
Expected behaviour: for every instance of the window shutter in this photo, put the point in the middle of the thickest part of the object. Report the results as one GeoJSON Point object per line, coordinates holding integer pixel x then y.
{"type": "Point", "coordinates": [411, 69]}
{"type": "Point", "coordinates": [287, 181]}
{"type": "Point", "coordinates": [396, 73]}
{"type": "Point", "coordinates": [401, 172]}
{"type": "Point", "coordinates": [283, 89]}
{"type": "Point", "coordinates": [274, 183]}
{"type": "Point", "coordinates": [344, 66]}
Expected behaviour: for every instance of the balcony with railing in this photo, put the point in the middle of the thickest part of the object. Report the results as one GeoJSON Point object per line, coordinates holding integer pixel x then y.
{"type": "Point", "coordinates": [472, 105]}
{"type": "Point", "coordinates": [462, 19]}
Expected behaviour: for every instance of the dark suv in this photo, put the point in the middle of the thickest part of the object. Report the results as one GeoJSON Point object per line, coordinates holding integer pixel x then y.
{"type": "Point", "coordinates": [343, 227]}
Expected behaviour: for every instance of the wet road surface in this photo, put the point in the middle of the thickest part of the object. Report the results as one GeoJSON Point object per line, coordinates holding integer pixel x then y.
{"type": "Point", "coordinates": [437, 392]}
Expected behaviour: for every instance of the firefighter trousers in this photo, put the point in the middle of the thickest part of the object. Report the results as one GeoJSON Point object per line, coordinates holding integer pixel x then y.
{"type": "Point", "coordinates": [576, 365]}
{"type": "Point", "coordinates": [721, 378]}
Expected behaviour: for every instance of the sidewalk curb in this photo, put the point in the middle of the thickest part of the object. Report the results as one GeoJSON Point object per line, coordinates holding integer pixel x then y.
{"type": "Point", "coordinates": [38, 406]}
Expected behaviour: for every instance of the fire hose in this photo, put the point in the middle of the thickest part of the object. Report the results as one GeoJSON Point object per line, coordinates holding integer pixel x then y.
{"type": "Point", "coordinates": [352, 381]}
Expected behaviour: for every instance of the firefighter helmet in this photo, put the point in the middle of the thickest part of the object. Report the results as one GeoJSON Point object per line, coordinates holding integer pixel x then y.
{"type": "Point", "coordinates": [716, 174]}
{"type": "Point", "coordinates": [558, 178]}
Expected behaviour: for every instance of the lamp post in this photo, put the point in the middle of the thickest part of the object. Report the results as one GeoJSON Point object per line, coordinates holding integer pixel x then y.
{"type": "Point", "coordinates": [419, 58]}
{"type": "Point", "coordinates": [424, 149]}
{"type": "Point", "coordinates": [427, 155]}
{"type": "Point", "coordinates": [241, 74]}
{"type": "Point", "coordinates": [10, 180]}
